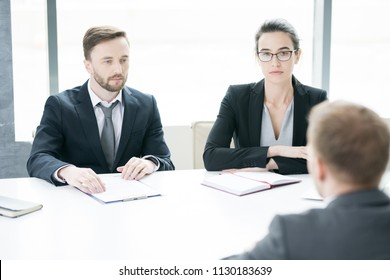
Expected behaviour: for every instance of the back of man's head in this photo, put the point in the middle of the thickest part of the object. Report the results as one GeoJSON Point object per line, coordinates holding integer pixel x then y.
{"type": "Point", "coordinates": [352, 140]}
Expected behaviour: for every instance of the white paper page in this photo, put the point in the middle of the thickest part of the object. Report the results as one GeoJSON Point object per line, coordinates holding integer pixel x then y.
{"type": "Point", "coordinates": [312, 194]}
{"type": "Point", "coordinates": [234, 184]}
{"type": "Point", "coordinates": [118, 189]}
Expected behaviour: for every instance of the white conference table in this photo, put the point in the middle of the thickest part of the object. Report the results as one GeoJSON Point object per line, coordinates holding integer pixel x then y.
{"type": "Point", "coordinates": [188, 222]}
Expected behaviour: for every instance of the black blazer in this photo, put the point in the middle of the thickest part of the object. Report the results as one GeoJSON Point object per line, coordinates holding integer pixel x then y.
{"type": "Point", "coordinates": [69, 134]}
{"type": "Point", "coordinates": [240, 117]}
{"type": "Point", "coordinates": [353, 226]}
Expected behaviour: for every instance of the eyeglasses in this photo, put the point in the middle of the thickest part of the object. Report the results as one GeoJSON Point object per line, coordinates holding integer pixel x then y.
{"type": "Point", "coordinates": [281, 56]}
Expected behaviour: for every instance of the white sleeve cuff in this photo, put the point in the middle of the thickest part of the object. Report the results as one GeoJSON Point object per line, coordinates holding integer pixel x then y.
{"type": "Point", "coordinates": [155, 161]}
{"type": "Point", "coordinates": [55, 175]}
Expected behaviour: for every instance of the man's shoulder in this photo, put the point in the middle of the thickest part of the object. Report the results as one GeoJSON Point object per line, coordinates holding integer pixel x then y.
{"type": "Point", "coordinates": [301, 220]}
{"type": "Point", "coordinates": [73, 95]}
{"type": "Point", "coordinates": [131, 90]}
{"type": "Point", "coordinates": [136, 94]}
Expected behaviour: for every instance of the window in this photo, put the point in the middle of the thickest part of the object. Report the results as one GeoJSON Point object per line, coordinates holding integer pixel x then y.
{"type": "Point", "coordinates": [360, 53]}
{"type": "Point", "coordinates": [30, 64]}
{"type": "Point", "coordinates": [185, 53]}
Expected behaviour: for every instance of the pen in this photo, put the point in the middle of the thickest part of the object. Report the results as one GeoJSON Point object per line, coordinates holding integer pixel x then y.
{"type": "Point", "coordinates": [135, 198]}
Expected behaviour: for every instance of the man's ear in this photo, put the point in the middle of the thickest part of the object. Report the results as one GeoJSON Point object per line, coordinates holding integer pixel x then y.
{"type": "Point", "coordinates": [88, 66]}
{"type": "Point", "coordinates": [321, 169]}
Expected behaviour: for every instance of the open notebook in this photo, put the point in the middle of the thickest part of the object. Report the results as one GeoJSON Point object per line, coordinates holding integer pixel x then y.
{"type": "Point", "coordinates": [118, 189]}
{"type": "Point", "coordinates": [13, 207]}
{"type": "Point", "coordinates": [241, 183]}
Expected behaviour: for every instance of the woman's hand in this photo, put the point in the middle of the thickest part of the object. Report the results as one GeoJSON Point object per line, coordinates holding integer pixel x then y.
{"type": "Point", "coordinates": [271, 165]}
{"type": "Point", "coordinates": [248, 169]}
{"type": "Point", "coordinates": [288, 151]}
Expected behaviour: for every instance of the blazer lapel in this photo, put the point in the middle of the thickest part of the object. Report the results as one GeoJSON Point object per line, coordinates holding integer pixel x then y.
{"type": "Point", "coordinates": [131, 107]}
{"type": "Point", "coordinates": [256, 103]}
{"type": "Point", "coordinates": [300, 114]}
{"type": "Point", "coordinates": [88, 122]}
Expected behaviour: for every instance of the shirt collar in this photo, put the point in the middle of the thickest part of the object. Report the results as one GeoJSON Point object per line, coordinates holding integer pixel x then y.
{"type": "Point", "coordinates": [327, 200]}
{"type": "Point", "coordinates": [96, 100]}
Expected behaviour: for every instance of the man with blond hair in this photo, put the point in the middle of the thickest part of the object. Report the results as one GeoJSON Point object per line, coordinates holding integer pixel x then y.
{"type": "Point", "coordinates": [348, 151]}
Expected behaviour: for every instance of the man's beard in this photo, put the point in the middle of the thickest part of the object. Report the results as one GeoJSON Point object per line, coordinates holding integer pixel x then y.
{"type": "Point", "coordinates": [105, 84]}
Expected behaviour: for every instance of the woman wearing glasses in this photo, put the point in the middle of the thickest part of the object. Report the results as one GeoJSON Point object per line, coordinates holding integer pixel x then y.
{"type": "Point", "coordinates": [267, 119]}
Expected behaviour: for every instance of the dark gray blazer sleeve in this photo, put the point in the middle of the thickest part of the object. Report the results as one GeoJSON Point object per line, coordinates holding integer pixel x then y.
{"type": "Point", "coordinates": [232, 119]}
{"type": "Point", "coordinates": [46, 149]}
{"type": "Point", "coordinates": [272, 247]}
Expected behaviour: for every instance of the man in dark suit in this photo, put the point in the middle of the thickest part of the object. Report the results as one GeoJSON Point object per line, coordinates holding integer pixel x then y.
{"type": "Point", "coordinates": [67, 147]}
{"type": "Point", "coordinates": [348, 150]}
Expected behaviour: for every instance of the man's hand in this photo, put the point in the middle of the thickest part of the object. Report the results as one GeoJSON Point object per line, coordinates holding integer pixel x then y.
{"type": "Point", "coordinates": [136, 168]}
{"type": "Point", "coordinates": [84, 179]}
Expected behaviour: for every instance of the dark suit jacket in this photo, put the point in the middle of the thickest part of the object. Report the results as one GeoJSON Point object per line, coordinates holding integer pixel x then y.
{"type": "Point", "coordinates": [353, 226]}
{"type": "Point", "coordinates": [240, 117]}
{"type": "Point", "coordinates": [68, 134]}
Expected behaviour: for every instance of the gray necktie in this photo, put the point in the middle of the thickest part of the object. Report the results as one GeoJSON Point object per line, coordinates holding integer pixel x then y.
{"type": "Point", "coordinates": [108, 135]}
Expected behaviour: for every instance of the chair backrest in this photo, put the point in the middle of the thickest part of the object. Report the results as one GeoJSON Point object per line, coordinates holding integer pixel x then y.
{"type": "Point", "coordinates": [200, 132]}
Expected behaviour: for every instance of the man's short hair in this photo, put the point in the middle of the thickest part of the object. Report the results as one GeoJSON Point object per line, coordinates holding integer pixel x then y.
{"type": "Point", "coordinates": [98, 34]}
{"type": "Point", "coordinates": [351, 139]}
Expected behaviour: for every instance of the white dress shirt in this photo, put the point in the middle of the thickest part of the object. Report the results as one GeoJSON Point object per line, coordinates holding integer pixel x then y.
{"type": "Point", "coordinates": [117, 113]}
{"type": "Point", "coordinates": [117, 118]}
